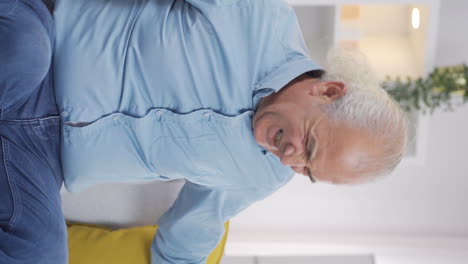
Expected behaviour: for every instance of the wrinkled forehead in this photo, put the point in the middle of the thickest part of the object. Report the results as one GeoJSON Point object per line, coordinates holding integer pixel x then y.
{"type": "Point", "coordinates": [351, 154]}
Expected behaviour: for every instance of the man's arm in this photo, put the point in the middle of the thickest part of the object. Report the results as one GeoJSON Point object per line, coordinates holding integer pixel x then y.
{"type": "Point", "coordinates": [194, 225]}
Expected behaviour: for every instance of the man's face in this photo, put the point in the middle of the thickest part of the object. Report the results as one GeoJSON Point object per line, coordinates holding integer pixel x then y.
{"type": "Point", "coordinates": [291, 125]}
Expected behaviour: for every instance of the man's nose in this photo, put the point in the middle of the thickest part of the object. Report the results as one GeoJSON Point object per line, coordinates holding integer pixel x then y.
{"type": "Point", "coordinates": [291, 156]}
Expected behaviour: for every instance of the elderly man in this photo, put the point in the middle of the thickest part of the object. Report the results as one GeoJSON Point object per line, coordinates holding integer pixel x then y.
{"type": "Point", "coordinates": [221, 93]}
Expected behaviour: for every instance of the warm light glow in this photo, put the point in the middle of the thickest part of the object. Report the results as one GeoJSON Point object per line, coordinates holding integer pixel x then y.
{"type": "Point", "coordinates": [416, 18]}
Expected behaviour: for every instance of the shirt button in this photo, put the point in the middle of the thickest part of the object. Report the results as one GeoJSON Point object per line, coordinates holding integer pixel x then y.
{"type": "Point", "coordinates": [116, 117]}
{"type": "Point", "coordinates": [257, 86]}
{"type": "Point", "coordinates": [206, 114]}
{"type": "Point", "coordinates": [65, 114]}
{"type": "Point", "coordinates": [158, 113]}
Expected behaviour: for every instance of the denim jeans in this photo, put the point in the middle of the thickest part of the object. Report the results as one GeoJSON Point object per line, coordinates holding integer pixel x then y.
{"type": "Point", "coordinates": [32, 225]}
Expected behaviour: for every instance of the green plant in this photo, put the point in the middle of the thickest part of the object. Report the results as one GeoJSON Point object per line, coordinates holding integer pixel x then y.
{"type": "Point", "coordinates": [443, 88]}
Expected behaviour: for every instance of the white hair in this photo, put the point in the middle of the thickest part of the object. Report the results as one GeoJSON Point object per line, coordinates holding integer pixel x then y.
{"type": "Point", "coordinates": [368, 106]}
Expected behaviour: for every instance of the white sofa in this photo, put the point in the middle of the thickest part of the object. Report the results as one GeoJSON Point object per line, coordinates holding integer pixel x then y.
{"type": "Point", "coordinates": [121, 205]}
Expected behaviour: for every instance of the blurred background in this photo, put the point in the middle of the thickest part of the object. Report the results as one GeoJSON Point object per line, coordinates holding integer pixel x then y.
{"type": "Point", "coordinates": [417, 215]}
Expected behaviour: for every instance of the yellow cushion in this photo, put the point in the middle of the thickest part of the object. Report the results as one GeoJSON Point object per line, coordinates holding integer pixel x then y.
{"type": "Point", "coordinates": [93, 244]}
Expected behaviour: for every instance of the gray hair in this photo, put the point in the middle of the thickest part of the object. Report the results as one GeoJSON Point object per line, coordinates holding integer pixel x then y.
{"type": "Point", "coordinates": [368, 106]}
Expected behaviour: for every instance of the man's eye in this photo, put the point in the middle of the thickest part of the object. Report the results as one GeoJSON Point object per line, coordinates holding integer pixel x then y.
{"type": "Point", "coordinates": [311, 149]}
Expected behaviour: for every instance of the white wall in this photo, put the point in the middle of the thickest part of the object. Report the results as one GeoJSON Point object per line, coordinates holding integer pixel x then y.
{"type": "Point", "coordinates": [417, 200]}
{"type": "Point", "coordinates": [453, 38]}
{"type": "Point", "coordinates": [393, 21]}
{"type": "Point", "coordinates": [391, 55]}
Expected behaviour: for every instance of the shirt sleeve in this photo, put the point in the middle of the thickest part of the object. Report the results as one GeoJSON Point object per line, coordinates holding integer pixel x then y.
{"type": "Point", "coordinates": [194, 225]}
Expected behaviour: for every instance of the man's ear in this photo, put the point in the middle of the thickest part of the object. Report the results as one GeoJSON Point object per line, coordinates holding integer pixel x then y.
{"type": "Point", "coordinates": [330, 90]}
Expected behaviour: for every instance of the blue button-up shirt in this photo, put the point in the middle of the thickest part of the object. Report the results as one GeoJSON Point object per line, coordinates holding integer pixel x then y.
{"type": "Point", "coordinates": [166, 89]}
